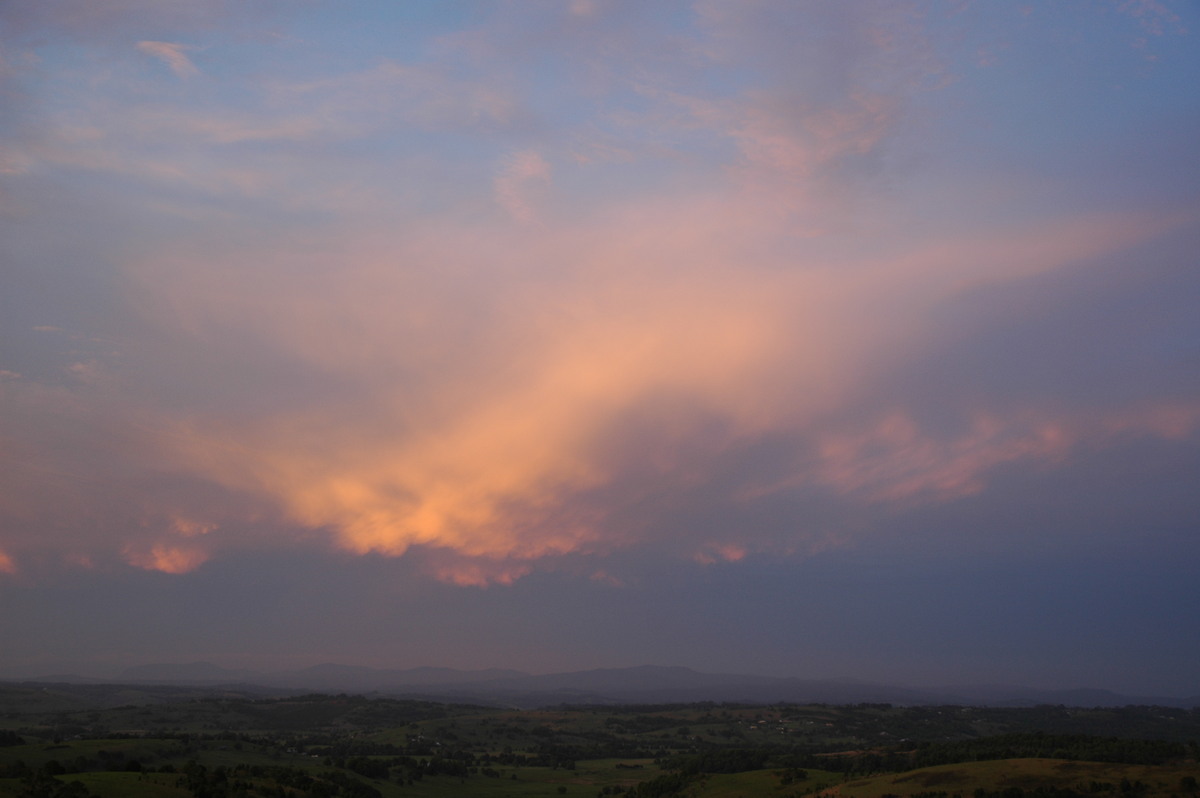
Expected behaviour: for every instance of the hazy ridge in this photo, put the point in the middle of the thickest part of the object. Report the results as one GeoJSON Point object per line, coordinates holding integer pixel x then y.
{"type": "Point", "coordinates": [647, 684]}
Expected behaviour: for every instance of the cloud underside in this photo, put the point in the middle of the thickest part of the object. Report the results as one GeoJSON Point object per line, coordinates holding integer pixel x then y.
{"type": "Point", "coordinates": [498, 435]}
{"type": "Point", "coordinates": [501, 403]}
{"type": "Point", "coordinates": [627, 331]}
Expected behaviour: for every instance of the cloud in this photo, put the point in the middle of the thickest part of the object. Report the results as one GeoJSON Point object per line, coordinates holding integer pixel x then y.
{"type": "Point", "coordinates": [894, 461]}
{"type": "Point", "coordinates": [7, 565]}
{"type": "Point", "coordinates": [221, 128]}
{"type": "Point", "coordinates": [82, 20]}
{"type": "Point", "coordinates": [490, 384]}
{"type": "Point", "coordinates": [448, 567]}
{"type": "Point", "coordinates": [514, 185]}
{"type": "Point", "coordinates": [167, 559]}
{"type": "Point", "coordinates": [172, 54]}
{"type": "Point", "coordinates": [424, 95]}
{"type": "Point", "coordinates": [86, 481]}
{"type": "Point", "coordinates": [726, 552]}
{"type": "Point", "coordinates": [13, 163]}
{"type": "Point", "coordinates": [718, 294]}
{"type": "Point", "coordinates": [1154, 17]}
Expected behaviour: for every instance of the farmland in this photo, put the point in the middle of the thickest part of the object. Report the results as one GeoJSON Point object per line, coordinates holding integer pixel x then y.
{"type": "Point", "coordinates": [70, 740]}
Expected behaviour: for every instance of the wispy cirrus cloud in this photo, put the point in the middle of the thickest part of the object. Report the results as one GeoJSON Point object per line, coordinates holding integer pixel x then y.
{"type": "Point", "coordinates": [173, 54]}
{"type": "Point", "coordinates": [521, 173]}
{"type": "Point", "coordinates": [1156, 18]}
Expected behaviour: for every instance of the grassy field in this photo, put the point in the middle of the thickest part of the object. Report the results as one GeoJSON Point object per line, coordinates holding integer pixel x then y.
{"type": "Point", "coordinates": [1084, 778]}
{"type": "Point", "coordinates": [617, 776]}
{"type": "Point", "coordinates": [1029, 775]}
{"type": "Point", "coordinates": [585, 778]}
{"type": "Point", "coordinates": [223, 745]}
{"type": "Point", "coordinates": [759, 783]}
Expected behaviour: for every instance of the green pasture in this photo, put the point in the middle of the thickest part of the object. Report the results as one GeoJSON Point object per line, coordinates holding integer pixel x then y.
{"type": "Point", "coordinates": [151, 753]}
{"type": "Point", "coordinates": [587, 779]}
{"type": "Point", "coordinates": [1100, 779]}
{"type": "Point", "coordinates": [116, 749]}
{"type": "Point", "coordinates": [759, 783]}
{"type": "Point", "coordinates": [130, 785]}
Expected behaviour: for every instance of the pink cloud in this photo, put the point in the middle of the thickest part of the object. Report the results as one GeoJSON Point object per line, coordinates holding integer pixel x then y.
{"type": "Point", "coordinates": [1172, 421]}
{"type": "Point", "coordinates": [189, 527]}
{"type": "Point", "coordinates": [173, 54]}
{"type": "Point", "coordinates": [457, 386]}
{"type": "Point", "coordinates": [520, 176]}
{"type": "Point", "coordinates": [425, 95]}
{"type": "Point", "coordinates": [604, 577]}
{"type": "Point", "coordinates": [721, 552]}
{"type": "Point", "coordinates": [895, 461]}
{"type": "Point", "coordinates": [1153, 16]}
{"type": "Point", "coordinates": [167, 559]}
{"type": "Point", "coordinates": [778, 137]}
{"type": "Point", "coordinates": [224, 127]}
{"type": "Point", "coordinates": [478, 572]}
{"type": "Point", "coordinates": [516, 403]}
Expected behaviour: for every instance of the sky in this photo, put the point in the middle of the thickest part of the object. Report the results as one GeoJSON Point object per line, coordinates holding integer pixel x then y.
{"type": "Point", "coordinates": [816, 339]}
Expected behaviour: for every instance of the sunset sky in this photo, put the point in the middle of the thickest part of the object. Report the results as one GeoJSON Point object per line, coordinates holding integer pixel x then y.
{"type": "Point", "coordinates": [817, 339]}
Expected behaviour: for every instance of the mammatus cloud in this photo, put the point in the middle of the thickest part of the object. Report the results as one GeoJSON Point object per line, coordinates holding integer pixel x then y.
{"type": "Point", "coordinates": [173, 54]}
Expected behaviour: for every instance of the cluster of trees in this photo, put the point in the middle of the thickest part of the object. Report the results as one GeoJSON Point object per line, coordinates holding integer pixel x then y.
{"type": "Point", "coordinates": [43, 785]}
{"type": "Point", "coordinates": [8, 738]}
{"type": "Point", "coordinates": [245, 781]}
{"type": "Point", "coordinates": [662, 786]}
{"type": "Point", "coordinates": [450, 763]}
{"type": "Point", "coordinates": [242, 781]}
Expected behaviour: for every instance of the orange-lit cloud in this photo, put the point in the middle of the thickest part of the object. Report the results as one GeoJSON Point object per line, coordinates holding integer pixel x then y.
{"type": "Point", "coordinates": [473, 572]}
{"type": "Point", "coordinates": [338, 331]}
{"type": "Point", "coordinates": [188, 527]}
{"type": "Point", "coordinates": [726, 552]}
{"type": "Point", "coordinates": [167, 559]}
{"type": "Point", "coordinates": [473, 431]}
{"type": "Point", "coordinates": [7, 564]}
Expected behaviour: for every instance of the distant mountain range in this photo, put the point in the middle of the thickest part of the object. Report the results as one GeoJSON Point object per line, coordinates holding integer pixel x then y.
{"type": "Point", "coordinates": [647, 684]}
